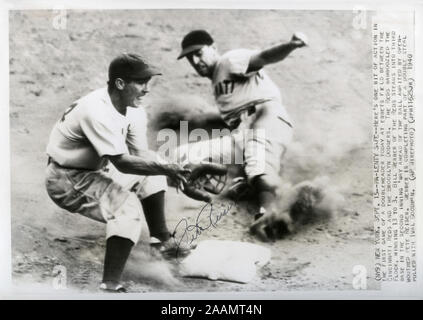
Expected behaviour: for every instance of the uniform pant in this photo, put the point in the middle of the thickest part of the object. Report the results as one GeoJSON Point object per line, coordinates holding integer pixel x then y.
{"type": "Point", "coordinates": [257, 144]}
{"type": "Point", "coordinates": [108, 196]}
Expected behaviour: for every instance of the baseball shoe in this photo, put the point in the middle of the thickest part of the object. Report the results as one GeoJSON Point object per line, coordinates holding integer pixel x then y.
{"type": "Point", "coordinates": [169, 249]}
{"type": "Point", "coordinates": [112, 288]}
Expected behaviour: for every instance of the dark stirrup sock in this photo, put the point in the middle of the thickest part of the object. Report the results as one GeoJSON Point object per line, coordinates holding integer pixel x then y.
{"type": "Point", "coordinates": [265, 194]}
{"type": "Point", "coordinates": [117, 253]}
{"type": "Point", "coordinates": [154, 211]}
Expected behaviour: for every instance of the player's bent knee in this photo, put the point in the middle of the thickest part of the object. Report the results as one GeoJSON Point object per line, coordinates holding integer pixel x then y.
{"type": "Point", "coordinates": [126, 221]}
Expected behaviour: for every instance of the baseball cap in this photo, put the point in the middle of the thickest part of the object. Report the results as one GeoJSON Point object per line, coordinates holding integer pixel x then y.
{"type": "Point", "coordinates": [195, 40]}
{"type": "Point", "coordinates": [130, 66]}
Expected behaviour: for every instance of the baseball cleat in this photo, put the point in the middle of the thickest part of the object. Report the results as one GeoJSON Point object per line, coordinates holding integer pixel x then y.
{"type": "Point", "coordinates": [299, 36]}
{"type": "Point", "coordinates": [112, 288]}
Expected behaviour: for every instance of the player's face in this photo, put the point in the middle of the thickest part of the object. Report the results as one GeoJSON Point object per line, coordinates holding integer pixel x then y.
{"type": "Point", "coordinates": [203, 60]}
{"type": "Point", "coordinates": [134, 91]}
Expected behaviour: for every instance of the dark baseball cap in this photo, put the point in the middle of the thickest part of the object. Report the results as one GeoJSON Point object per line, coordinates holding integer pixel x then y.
{"type": "Point", "coordinates": [194, 41]}
{"type": "Point", "coordinates": [130, 66]}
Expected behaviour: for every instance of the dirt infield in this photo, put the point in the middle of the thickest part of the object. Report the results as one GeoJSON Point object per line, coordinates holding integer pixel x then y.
{"type": "Point", "coordinates": [327, 91]}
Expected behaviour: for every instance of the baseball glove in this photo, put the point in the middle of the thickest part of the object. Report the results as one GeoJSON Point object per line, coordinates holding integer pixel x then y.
{"type": "Point", "coordinates": [205, 179]}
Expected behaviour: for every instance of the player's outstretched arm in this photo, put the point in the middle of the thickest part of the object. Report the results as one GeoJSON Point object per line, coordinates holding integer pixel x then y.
{"type": "Point", "coordinates": [276, 53]}
{"type": "Point", "coordinates": [148, 164]}
{"type": "Point", "coordinates": [189, 179]}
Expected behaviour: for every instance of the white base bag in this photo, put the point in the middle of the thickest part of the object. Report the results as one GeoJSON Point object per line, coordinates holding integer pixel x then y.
{"type": "Point", "coordinates": [225, 260]}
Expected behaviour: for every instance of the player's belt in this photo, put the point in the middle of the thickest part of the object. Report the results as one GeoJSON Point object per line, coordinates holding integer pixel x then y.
{"type": "Point", "coordinates": [235, 116]}
{"type": "Point", "coordinates": [51, 160]}
{"type": "Point", "coordinates": [249, 109]}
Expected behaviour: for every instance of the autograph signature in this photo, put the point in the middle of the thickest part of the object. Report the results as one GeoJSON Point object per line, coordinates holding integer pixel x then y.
{"type": "Point", "coordinates": [208, 217]}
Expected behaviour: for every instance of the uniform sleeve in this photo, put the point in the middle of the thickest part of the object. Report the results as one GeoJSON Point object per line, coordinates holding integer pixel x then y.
{"type": "Point", "coordinates": [105, 136]}
{"type": "Point", "coordinates": [136, 138]}
{"type": "Point", "coordinates": [237, 62]}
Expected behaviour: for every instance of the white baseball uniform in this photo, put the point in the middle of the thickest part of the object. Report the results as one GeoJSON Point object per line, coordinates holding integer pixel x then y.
{"type": "Point", "coordinates": [79, 177]}
{"type": "Point", "coordinates": [235, 89]}
{"type": "Point", "coordinates": [238, 94]}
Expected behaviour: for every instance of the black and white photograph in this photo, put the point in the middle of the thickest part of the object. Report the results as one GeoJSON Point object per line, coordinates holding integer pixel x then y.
{"type": "Point", "coordinates": [194, 150]}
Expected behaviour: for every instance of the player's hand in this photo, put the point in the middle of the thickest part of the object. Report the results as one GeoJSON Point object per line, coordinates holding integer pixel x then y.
{"type": "Point", "coordinates": [177, 175]}
{"type": "Point", "coordinates": [272, 226]}
{"type": "Point", "coordinates": [299, 39]}
{"type": "Point", "coordinates": [206, 179]}
{"type": "Point", "coordinates": [205, 168]}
